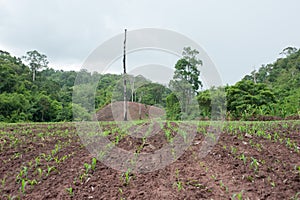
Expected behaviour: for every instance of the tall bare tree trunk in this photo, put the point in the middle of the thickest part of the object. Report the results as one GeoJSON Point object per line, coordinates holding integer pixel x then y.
{"type": "Point", "coordinates": [132, 87]}
{"type": "Point", "coordinates": [33, 75]}
{"type": "Point", "coordinates": [140, 106]}
{"type": "Point", "coordinates": [124, 78]}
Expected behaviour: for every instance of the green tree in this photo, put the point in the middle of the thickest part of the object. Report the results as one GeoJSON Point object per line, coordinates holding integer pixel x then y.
{"type": "Point", "coordinates": [186, 83]}
{"type": "Point", "coordinates": [212, 103]}
{"type": "Point", "coordinates": [173, 110]}
{"type": "Point", "coordinates": [14, 107]}
{"type": "Point", "coordinates": [187, 69]}
{"type": "Point", "coordinates": [246, 96]}
{"type": "Point", "coordinates": [36, 61]}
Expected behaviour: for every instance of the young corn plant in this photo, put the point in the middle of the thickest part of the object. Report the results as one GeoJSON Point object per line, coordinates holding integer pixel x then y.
{"type": "Point", "coordinates": [50, 169]}
{"type": "Point", "coordinates": [40, 172]}
{"type": "Point", "coordinates": [243, 158]}
{"type": "Point", "coordinates": [22, 174]}
{"type": "Point", "coordinates": [3, 181]}
{"type": "Point", "coordinates": [178, 183]}
{"type": "Point", "coordinates": [233, 150]}
{"type": "Point", "coordinates": [126, 177]}
{"type": "Point", "coordinates": [254, 164]}
{"type": "Point", "coordinates": [37, 161]}
{"type": "Point", "coordinates": [117, 139]}
{"type": "Point", "coordinates": [70, 191]}
{"type": "Point", "coordinates": [238, 196]}
{"type": "Point", "coordinates": [32, 182]}
{"type": "Point", "coordinates": [168, 135]}
{"type": "Point", "coordinates": [87, 167]}
{"type": "Point", "coordinates": [296, 196]}
{"type": "Point", "coordinates": [94, 162]}
{"type": "Point", "coordinates": [23, 185]}
{"type": "Point", "coordinates": [222, 186]}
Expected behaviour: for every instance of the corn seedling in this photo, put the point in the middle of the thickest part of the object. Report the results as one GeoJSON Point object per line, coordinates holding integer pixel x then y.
{"type": "Point", "coordinates": [32, 182]}
{"type": "Point", "coordinates": [3, 181]}
{"type": "Point", "coordinates": [94, 162]}
{"type": "Point", "coordinates": [238, 196]}
{"type": "Point", "coordinates": [37, 161]}
{"type": "Point", "coordinates": [87, 167]}
{"type": "Point", "coordinates": [121, 193]}
{"type": "Point", "coordinates": [23, 185]}
{"type": "Point", "coordinates": [82, 176]}
{"type": "Point", "coordinates": [214, 177]}
{"type": "Point", "coordinates": [9, 197]}
{"type": "Point", "coordinates": [296, 196]}
{"type": "Point", "coordinates": [250, 179]}
{"type": "Point", "coordinates": [233, 150]}
{"type": "Point", "coordinates": [178, 185]}
{"type": "Point", "coordinates": [272, 184]}
{"type": "Point", "coordinates": [40, 171]}
{"type": "Point", "coordinates": [243, 158]}
{"type": "Point", "coordinates": [62, 159]}
{"type": "Point", "coordinates": [168, 135]}
{"type": "Point", "coordinates": [254, 164]}
{"type": "Point", "coordinates": [70, 191]}
{"type": "Point", "coordinates": [56, 159]}
{"type": "Point", "coordinates": [223, 186]}
{"type": "Point", "coordinates": [23, 172]}
{"type": "Point", "coordinates": [55, 150]}
{"type": "Point", "coordinates": [50, 169]}
{"type": "Point", "coordinates": [127, 176]}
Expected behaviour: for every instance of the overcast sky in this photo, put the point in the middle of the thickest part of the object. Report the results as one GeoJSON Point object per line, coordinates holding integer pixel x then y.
{"type": "Point", "coordinates": [237, 35]}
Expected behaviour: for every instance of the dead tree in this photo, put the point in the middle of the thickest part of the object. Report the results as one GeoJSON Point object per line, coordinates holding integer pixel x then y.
{"type": "Point", "coordinates": [124, 78]}
{"type": "Point", "coordinates": [132, 80]}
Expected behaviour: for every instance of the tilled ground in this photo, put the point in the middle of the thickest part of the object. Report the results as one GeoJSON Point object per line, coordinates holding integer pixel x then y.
{"type": "Point", "coordinates": [250, 160]}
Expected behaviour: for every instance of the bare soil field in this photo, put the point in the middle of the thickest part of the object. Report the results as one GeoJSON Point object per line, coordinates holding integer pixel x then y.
{"type": "Point", "coordinates": [251, 160]}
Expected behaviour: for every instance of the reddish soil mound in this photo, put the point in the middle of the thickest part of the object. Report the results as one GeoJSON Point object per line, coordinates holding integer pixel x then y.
{"type": "Point", "coordinates": [115, 110]}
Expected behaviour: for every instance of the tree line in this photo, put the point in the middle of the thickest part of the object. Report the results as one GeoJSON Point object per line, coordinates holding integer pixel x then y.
{"type": "Point", "coordinates": [31, 91]}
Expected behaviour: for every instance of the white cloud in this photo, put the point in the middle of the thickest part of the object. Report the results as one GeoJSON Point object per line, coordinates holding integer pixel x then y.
{"type": "Point", "coordinates": [236, 34]}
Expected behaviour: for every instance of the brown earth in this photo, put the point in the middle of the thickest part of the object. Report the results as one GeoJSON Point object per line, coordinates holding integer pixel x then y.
{"type": "Point", "coordinates": [220, 175]}
{"type": "Point", "coordinates": [115, 112]}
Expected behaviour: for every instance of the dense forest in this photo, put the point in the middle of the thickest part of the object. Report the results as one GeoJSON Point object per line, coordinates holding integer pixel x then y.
{"type": "Point", "coordinates": [31, 91]}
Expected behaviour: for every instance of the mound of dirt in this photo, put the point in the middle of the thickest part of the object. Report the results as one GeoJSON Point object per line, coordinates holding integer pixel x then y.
{"type": "Point", "coordinates": [115, 112]}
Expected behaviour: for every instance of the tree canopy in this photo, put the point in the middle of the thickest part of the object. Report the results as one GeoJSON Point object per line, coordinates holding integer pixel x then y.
{"type": "Point", "coordinates": [272, 90]}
